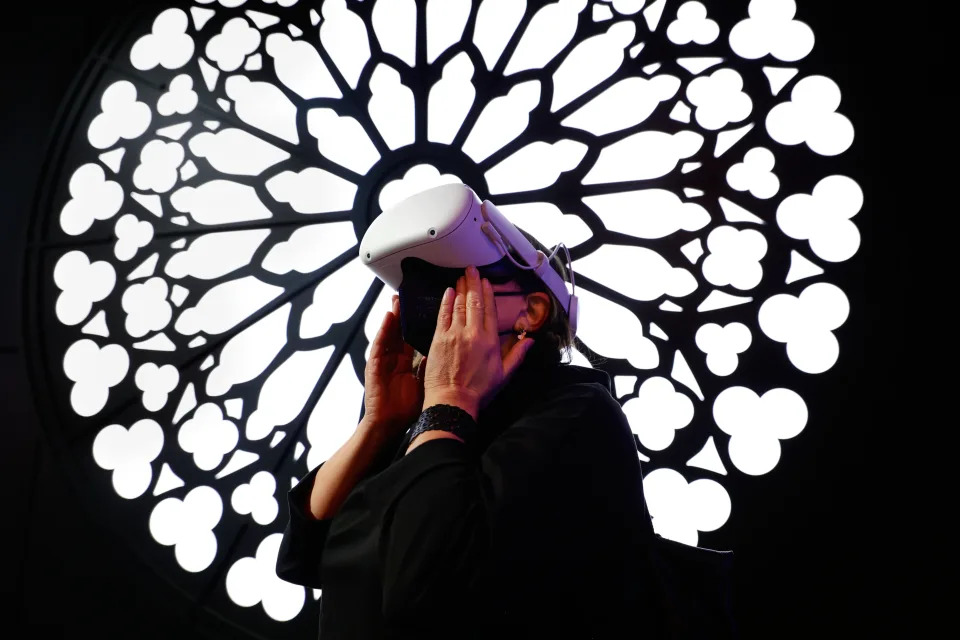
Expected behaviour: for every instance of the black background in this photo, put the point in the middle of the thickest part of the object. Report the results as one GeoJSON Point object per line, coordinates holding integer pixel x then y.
{"type": "Point", "coordinates": [828, 551]}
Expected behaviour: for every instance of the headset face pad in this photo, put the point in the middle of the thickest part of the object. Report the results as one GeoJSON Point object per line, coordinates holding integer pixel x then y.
{"type": "Point", "coordinates": [421, 293]}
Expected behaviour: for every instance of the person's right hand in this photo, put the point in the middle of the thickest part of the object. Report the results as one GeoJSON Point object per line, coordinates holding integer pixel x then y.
{"type": "Point", "coordinates": [393, 393]}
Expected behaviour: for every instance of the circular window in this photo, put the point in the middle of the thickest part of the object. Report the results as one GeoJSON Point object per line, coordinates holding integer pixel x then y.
{"type": "Point", "coordinates": [203, 316]}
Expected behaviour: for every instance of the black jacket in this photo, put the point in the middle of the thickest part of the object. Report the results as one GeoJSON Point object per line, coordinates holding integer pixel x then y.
{"type": "Point", "coordinates": [537, 528]}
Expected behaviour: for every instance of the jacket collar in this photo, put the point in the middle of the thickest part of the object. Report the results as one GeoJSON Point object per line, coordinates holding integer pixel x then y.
{"type": "Point", "coordinates": [530, 381]}
{"type": "Point", "coordinates": [537, 375]}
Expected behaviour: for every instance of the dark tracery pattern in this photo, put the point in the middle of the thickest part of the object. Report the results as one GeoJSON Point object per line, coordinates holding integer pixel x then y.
{"type": "Point", "coordinates": [203, 313]}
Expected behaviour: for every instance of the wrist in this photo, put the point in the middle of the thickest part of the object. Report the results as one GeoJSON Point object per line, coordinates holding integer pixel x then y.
{"type": "Point", "coordinates": [454, 398]}
{"type": "Point", "coordinates": [373, 433]}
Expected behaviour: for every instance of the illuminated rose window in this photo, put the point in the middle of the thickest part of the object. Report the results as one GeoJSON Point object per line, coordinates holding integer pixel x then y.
{"type": "Point", "coordinates": [204, 317]}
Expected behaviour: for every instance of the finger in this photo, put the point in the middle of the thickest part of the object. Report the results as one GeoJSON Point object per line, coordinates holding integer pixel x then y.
{"type": "Point", "coordinates": [379, 346]}
{"type": "Point", "coordinates": [445, 316]}
{"type": "Point", "coordinates": [459, 318]}
{"type": "Point", "coordinates": [490, 321]}
{"type": "Point", "coordinates": [399, 329]}
{"type": "Point", "coordinates": [397, 344]}
{"type": "Point", "coordinates": [475, 299]}
{"type": "Point", "coordinates": [393, 341]}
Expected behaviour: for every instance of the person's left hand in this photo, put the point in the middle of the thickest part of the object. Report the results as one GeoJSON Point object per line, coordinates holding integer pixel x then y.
{"type": "Point", "coordinates": [465, 368]}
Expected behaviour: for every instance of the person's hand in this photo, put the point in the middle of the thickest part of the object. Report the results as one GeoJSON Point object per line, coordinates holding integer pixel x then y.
{"type": "Point", "coordinates": [393, 393]}
{"type": "Point", "coordinates": [465, 367]}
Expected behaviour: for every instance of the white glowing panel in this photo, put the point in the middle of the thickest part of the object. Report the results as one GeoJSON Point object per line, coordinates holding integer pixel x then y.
{"type": "Point", "coordinates": [450, 100]}
{"type": "Point", "coordinates": [248, 353]}
{"type": "Point", "coordinates": [626, 104]}
{"type": "Point", "coordinates": [215, 255]}
{"type": "Point", "coordinates": [391, 107]}
{"type": "Point", "coordinates": [236, 151]}
{"type": "Point", "coordinates": [82, 283]}
{"type": "Point", "coordinates": [502, 120]}
{"type": "Point", "coordinates": [590, 63]}
{"type": "Point", "coordinates": [187, 525]}
{"type": "Point", "coordinates": [758, 424]}
{"type": "Point", "coordinates": [128, 453]}
{"type": "Point", "coordinates": [331, 421]}
{"type": "Point", "coordinates": [285, 392]}
{"type": "Point", "coordinates": [252, 581]}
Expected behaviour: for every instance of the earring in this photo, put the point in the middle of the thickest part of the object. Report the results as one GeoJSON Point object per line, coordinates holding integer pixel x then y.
{"type": "Point", "coordinates": [521, 335]}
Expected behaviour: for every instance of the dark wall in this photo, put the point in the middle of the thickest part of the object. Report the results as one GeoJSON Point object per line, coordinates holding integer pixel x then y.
{"type": "Point", "coordinates": [62, 574]}
{"type": "Point", "coordinates": [797, 576]}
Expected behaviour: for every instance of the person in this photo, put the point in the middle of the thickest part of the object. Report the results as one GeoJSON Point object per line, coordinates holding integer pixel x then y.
{"type": "Point", "coordinates": [532, 524]}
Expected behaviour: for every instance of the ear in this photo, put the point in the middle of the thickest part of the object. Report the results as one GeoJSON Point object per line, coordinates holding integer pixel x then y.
{"type": "Point", "coordinates": [538, 310]}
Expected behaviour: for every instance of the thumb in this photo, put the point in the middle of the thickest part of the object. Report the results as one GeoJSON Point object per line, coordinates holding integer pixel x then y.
{"type": "Point", "coordinates": [515, 357]}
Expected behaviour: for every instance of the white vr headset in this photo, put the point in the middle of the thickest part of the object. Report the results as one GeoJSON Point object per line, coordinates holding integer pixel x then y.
{"type": "Point", "coordinates": [448, 226]}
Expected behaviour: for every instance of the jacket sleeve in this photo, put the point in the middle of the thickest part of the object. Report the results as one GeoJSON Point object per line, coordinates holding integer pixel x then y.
{"type": "Point", "coordinates": [444, 507]}
{"type": "Point", "coordinates": [301, 548]}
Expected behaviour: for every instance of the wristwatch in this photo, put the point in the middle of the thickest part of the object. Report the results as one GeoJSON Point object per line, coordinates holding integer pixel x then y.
{"type": "Point", "coordinates": [446, 417]}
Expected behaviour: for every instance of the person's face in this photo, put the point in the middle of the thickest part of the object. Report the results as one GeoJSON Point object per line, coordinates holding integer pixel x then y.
{"type": "Point", "coordinates": [516, 312]}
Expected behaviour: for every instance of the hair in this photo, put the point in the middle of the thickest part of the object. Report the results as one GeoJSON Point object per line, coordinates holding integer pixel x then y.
{"type": "Point", "coordinates": [555, 331]}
